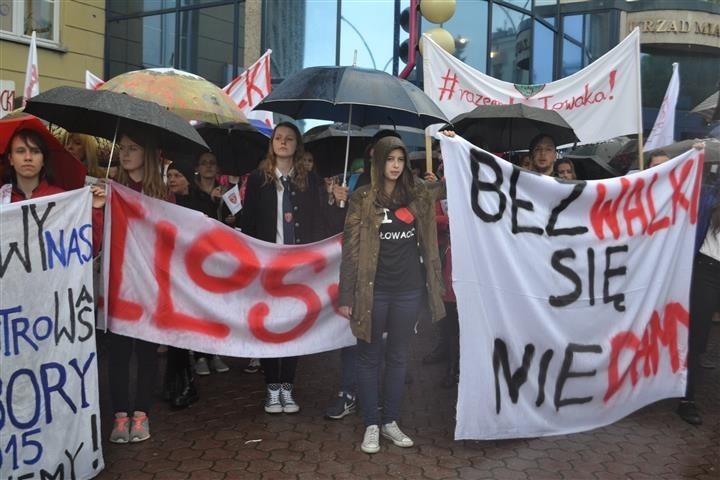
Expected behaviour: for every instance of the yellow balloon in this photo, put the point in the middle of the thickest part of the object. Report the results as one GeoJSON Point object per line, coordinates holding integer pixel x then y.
{"type": "Point", "coordinates": [437, 11]}
{"type": "Point", "coordinates": [442, 37]}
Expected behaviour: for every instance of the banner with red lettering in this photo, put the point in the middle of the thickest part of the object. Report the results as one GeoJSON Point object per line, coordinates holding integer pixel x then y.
{"type": "Point", "coordinates": [49, 401]}
{"type": "Point", "coordinates": [177, 277]}
{"type": "Point", "coordinates": [572, 295]}
{"type": "Point", "coordinates": [600, 101]}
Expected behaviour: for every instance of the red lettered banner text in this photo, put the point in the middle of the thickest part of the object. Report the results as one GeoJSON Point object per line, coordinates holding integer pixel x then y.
{"type": "Point", "coordinates": [176, 277]}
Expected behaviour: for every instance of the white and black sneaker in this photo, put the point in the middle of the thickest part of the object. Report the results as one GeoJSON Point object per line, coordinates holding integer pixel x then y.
{"type": "Point", "coordinates": [343, 405]}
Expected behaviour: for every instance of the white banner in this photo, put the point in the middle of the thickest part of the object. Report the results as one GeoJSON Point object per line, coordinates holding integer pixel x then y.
{"type": "Point", "coordinates": [663, 131]}
{"type": "Point", "coordinates": [573, 297]}
{"type": "Point", "coordinates": [600, 101]}
{"type": "Point", "coordinates": [250, 87]}
{"type": "Point", "coordinates": [32, 75]}
{"type": "Point", "coordinates": [49, 405]}
{"type": "Point", "coordinates": [183, 279]}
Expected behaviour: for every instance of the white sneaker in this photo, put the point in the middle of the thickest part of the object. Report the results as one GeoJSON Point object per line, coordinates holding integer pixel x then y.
{"type": "Point", "coordinates": [272, 401]}
{"type": "Point", "coordinates": [201, 366]}
{"type": "Point", "coordinates": [392, 432]}
{"type": "Point", "coordinates": [286, 399]}
{"type": "Point", "coordinates": [371, 440]}
{"type": "Point", "coordinates": [217, 364]}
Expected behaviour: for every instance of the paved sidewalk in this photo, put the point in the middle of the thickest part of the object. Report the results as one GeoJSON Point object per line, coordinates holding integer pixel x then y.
{"type": "Point", "coordinates": [226, 435]}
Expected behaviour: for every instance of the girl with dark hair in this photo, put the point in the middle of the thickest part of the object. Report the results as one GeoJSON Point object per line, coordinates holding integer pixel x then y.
{"type": "Point", "coordinates": [28, 168]}
{"type": "Point", "coordinates": [140, 169]}
{"type": "Point", "coordinates": [704, 292]}
{"type": "Point", "coordinates": [282, 205]}
{"type": "Point", "coordinates": [390, 227]}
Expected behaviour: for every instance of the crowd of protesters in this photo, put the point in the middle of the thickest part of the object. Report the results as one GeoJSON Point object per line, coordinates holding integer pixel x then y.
{"type": "Point", "coordinates": [387, 271]}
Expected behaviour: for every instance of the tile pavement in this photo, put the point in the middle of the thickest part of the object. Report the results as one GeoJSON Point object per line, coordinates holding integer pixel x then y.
{"type": "Point", "coordinates": [227, 436]}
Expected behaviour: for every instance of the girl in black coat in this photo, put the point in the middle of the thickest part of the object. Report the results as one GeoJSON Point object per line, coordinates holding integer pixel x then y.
{"type": "Point", "coordinates": [282, 205]}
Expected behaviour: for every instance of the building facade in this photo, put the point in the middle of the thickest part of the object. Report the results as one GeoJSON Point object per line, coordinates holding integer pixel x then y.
{"type": "Point", "coordinates": [521, 41]}
{"type": "Point", "coordinates": [70, 40]}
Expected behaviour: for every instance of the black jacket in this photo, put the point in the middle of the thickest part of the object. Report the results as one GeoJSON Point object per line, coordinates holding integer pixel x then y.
{"type": "Point", "coordinates": [258, 217]}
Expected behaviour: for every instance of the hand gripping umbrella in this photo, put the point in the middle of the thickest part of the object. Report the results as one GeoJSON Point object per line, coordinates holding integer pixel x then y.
{"type": "Point", "coordinates": [354, 95]}
{"type": "Point", "coordinates": [102, 113]}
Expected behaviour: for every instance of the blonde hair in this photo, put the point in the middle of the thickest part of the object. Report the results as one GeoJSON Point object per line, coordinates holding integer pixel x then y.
{"type": "Point", "coordinates": [152, 181]}
{"type": "Point", "coordinates": [90, 145]}
{"type": "Point", "coordinates": [301, 167]}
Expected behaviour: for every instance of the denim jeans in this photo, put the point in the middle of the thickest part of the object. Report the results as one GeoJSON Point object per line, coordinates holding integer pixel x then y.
{"type": "Point", "coordinates": [396, 314]}
{"type": "Point", "coordinates": [348, 359]}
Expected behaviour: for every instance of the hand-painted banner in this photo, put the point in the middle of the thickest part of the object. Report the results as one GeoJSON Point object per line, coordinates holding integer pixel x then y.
{"type": "Point", "coordinates": [49, 403]}
{"type": "Point", "coordinates": [573, 296]}
{"type": "Point", "coordinates": [600, 101]}
{"type": "Point", "coordinates": [179, 278]}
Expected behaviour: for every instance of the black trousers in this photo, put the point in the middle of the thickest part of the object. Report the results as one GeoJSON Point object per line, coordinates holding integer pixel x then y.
{"type": "Point", "coordinates": [123, 381]}
{"type": "Point", "coordinates": [704, 301]}
{"type": "Point", "coordinates": [279, 370]}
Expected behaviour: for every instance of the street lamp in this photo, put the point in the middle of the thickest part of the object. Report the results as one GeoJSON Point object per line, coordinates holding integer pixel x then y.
{"type": "Point", "coordinates": [460, 43]}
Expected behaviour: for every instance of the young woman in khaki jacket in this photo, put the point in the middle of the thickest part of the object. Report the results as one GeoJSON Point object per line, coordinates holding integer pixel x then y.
{"type": "Point", "coordinates": [390, 261]}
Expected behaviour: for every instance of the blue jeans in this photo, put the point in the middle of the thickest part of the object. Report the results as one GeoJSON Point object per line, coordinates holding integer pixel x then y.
{"type": "Point", "coordinates": [396, 314]}
{"type": "Point", "coordinates": [348, 360]}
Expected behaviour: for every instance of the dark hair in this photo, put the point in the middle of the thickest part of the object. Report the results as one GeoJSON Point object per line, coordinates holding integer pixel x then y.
{"type": "Point", "coordinates": [658, 153]}
{"type": "Point", "coordinates": [28, 136]}
{"type": "Point", "coordinates": [386, 132]}
{"type": "Point", "coordinates": [404, 191]}
{"type": "Point", "coordinates": [715, 215]}
{"type": "Point", "coordinates": [537, 138]}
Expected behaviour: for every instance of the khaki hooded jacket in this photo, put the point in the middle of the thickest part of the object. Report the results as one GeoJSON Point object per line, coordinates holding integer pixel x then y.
{"type": "Point", "coordinates": [361, 243]}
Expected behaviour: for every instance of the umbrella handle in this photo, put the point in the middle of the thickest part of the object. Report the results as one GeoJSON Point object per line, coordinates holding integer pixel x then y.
{"type": "Point", "coordinates": [112, 149]}
{"type": "Point", "coordinates": [341, 204]}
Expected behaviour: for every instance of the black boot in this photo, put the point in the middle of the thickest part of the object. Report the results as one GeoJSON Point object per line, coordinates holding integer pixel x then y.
{"type": "Point", "coordinates": [185, 393]}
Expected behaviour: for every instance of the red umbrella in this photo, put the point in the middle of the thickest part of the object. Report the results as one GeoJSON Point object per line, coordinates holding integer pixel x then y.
{"type": "Point", "coordinates": [68, 172]}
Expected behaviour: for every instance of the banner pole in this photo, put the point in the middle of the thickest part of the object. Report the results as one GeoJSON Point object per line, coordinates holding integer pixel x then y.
{"type": "Point", "coordinates": [428, 153]}
{"type": "Point", "coordinates": [641, 163]}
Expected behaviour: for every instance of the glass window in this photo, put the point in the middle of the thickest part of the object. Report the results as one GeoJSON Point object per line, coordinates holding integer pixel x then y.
{"type": "Point", "coordinates": [573, 26]}
{"type": "Point", "coordinates": [22, 17]}
{"type": "Point", "coordinates": [368, 29]}
{"type": "Point", "coordinates": [543, 48]}
{"type": "Point", "coordinates": [507, 57]}
{"type": "Point", "coordinates": [206, 43]}
{"type": "Point", "coordinates": [600, 34]}
{"type": "Point", "coordinates": [524, 4]}
{"type": "Point", "coordinates": [129, 7]}
{"type": "Point", "coordinates": [571, 58]}
{"type": "Point", "coordinates": [6, 16]}
{"type": "Point", "coordinates": [469, 27]}
{"type": "Point", "coordinates": [138, 43]}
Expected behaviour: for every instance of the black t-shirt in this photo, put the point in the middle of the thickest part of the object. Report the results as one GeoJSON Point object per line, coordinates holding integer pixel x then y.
{"type": "Point", "coordinates": [398, 268]}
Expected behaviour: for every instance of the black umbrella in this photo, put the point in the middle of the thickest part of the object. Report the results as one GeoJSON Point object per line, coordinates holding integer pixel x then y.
{"type": "Point", "coordinates": [238, 147]}
{"type": "Point", "coordinates": [358, 96]}
{"type": "Point", "coordinates": [500, 128]}
{"type": "Point", "coordinates": [102, 113]}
